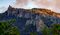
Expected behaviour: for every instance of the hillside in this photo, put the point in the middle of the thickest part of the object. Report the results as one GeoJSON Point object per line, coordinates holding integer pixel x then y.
{"type": "Point", "coordinates": [31, 20]}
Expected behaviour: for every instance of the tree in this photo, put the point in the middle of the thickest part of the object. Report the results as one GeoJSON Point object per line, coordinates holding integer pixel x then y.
{"type": "Point", "coordinates": [55, 29]}
{"type": "Point", "coordinates": [33, 33]}
{"type": "Point", "coordinates": [6, 28]}
{"type": "Point", "coordinates": [46, 31]}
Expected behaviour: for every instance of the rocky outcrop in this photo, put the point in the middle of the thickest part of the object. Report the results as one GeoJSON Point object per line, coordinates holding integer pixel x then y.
{"type": "Point", "coordinates": [34, 19]}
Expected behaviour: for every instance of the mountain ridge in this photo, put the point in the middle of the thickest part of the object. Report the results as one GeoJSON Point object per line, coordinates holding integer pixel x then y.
{"type": "Point", "coordinates": [38, 11]}
{"type": "Point", "coordinates": [30, 20]}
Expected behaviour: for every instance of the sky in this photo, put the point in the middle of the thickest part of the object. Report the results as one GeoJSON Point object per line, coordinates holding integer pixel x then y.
{"type": "Point", "coordinates": [4, 4]}
{"type": "Point", "coordinates": [53, 5]}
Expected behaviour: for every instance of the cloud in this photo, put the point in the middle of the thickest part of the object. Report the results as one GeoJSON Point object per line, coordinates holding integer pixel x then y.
{"type": "Point", "coordinates": [46, 3]}
{"type": "Point", "coordinates": [50, 4]}
{"type": "Point", "coordinates": [58, 3]}
{"type": "Point", "coordinates": [21, 3]}
{"type": "Point", "coordinates": [3, 9]}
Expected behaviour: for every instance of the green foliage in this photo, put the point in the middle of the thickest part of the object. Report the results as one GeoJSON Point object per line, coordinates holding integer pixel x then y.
{"type": "Point", "coordinates": [46, 31]}
{"type": "Point", "coordinates": [56, 26]}
{"type": "Point", "coordinates": [54, 30]}
{"type": "Point", "coordinates": [33, 33]}
{"type": "Point", "coordinates": [6, 28]}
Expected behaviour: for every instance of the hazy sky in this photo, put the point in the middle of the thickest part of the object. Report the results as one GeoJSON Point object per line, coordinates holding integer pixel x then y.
{"type": "Point", "coordinates": [4, 4]}
{"type": "Point", "coordinates": [28, 4]}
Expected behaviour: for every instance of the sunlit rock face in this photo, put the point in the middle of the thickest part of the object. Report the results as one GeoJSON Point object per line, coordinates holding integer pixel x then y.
{"type": "Point", "coordinates": [31, 20]}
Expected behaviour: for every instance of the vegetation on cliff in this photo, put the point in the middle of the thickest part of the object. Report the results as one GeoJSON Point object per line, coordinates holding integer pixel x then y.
{"type": "Point", "coordinates": [53, 30]}
{"type": "Point", "coordinates": [6, 28]}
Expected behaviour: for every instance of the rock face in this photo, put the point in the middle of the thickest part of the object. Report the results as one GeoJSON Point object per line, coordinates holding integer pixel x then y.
{"type": "Point", "coordinates": [30, 20]}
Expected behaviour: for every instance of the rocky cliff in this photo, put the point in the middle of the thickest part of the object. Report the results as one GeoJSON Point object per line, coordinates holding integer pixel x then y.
{"type": "Point", "coordinates": [31, 20]}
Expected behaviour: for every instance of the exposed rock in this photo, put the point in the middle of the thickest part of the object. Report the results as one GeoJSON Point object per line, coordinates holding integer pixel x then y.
{"type": "Point", "coordinates": [37, 17]}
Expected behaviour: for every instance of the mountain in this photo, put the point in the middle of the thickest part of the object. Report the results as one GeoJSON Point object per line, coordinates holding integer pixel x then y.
{"type": "Point", "coordinates": [31, 20]}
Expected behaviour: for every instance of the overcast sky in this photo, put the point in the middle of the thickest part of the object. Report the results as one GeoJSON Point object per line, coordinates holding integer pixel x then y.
{"type": "Point", "coordinates": [28, 4]}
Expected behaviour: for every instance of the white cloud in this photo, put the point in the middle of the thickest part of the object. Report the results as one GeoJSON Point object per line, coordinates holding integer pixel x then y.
{"type": "Point", "coordinates": [28, 4]}
{"type": "Point", "coordinates": [3, 9]}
